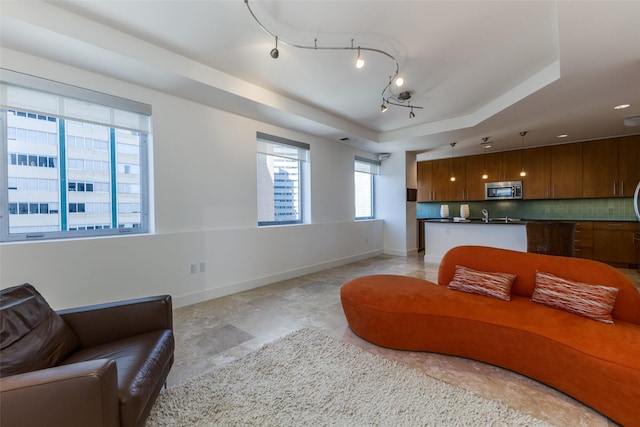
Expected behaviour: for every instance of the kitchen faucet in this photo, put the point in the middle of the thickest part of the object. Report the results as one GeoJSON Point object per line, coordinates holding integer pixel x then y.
{"type": "Point", "coordinates": [485, 215]}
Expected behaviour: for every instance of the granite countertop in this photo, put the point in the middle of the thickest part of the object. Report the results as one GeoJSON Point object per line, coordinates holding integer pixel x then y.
{"type": "Point", "coordinates": [509, 220]}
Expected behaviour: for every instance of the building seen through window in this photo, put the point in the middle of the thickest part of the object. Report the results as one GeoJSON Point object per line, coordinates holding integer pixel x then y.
{"type": "Point", "coordinates": [68, 177]}
{"type": "Point", "coordinates": [280, 172]}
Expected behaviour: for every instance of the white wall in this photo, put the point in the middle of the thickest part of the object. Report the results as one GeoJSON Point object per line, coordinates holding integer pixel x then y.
{"type": "Point", "coordinates": [391, 196]}
{"type": "Point", "coordinates": [204, 204]}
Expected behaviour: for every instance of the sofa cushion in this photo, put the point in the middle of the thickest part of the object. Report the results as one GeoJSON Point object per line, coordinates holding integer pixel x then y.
{"type": "Point", "coordinates": [32, 336]}
{"type": "Point", "coordinates": [592, 301]}
{"type": "Point", "coordinates": [495, 285]}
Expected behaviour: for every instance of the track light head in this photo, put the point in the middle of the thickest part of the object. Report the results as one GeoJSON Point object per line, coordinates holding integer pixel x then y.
{"type": "Point", "coordinates": [359, 60]}
{"type": "Point", "coordinates": [274, 52]}
{"type": "Point", "coordinates": [383, 108]}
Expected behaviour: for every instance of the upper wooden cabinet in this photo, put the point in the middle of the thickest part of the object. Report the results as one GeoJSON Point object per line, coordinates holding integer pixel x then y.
{"type": "Point", "coordinates": [629, 164]}
{"type": "Point", "coordinates": [512, 163]}
{"type": "Point", "coordinates": [458, 188]}
{"type": "Point", "coordinates": [493, 166]}
{"type": "Point", "coordinates": [611, 167]}
{"type": "Point", "coordinates": [424, 181]}
{"type": "Point", "coordinates": [440, 180]}
{"type": "Point", "coordinates": [433, 180]}
{"type": "Point", "coordinates": [475, 182]}
{"type": "Point", "coordinates": [602, 168]}
{"type": "Point", "coordinates": [537, 164]}
{"type": "Point", "coordinates": [566, 171]}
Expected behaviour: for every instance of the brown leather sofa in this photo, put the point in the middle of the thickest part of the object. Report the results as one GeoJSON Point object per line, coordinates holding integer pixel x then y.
{"type": "Point", "coordinates": [100, 365]}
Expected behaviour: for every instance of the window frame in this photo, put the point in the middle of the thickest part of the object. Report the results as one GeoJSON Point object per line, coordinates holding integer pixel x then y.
{"type": "Point", "coordinates": [365, 166]}
{"type": "Point", "coordinates": [265, 143]}
{"type": "Point", "coordinates": [120, 108]}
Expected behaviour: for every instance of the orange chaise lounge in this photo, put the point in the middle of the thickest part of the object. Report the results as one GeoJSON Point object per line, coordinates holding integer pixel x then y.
{"type": "Point", "coordinates": [596, 363]}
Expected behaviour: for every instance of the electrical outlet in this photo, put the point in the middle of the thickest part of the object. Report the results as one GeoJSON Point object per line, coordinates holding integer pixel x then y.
{"type": "Point", "coordinates": [193, 269]}
{"type": "Point", "coordinates": [203, 267]}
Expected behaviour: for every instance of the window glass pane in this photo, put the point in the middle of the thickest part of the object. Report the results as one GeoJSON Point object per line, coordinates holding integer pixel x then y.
{"type": "Point", "coordinates": [363, 195]}
{"type": "Point", "coordinates": [278, 190]}
{"type": "Point", "coordinates": [280, 173]}
{"type": "Point", "coordinates": [67, 156]}
{"type": "Point", "coordinates": [35, 188]}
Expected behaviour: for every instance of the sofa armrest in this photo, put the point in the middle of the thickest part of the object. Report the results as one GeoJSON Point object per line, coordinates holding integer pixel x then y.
{"type": "Point", "coordinates": [75, 395]}
{"type": "Point", "coordinates": [103, 323]}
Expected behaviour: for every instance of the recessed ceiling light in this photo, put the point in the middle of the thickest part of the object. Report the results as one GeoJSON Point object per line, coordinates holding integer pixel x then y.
{"type": "Point", "coordinates": [621, 106]}
{"type": "Point", "coordinates": [564, 135]}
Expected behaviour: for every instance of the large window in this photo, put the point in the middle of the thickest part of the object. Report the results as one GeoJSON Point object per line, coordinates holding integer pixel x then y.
{"type": "Point", "coordinates": [281, 171]}
{"type": "Point", "coordinates": [364, 173]}
{"type": "Point", "coordinates": [75, 161]}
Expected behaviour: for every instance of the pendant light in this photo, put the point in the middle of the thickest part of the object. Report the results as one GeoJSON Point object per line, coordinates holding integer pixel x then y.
{"type": "Point", "coordinates": [453, 177]}
{"type": "Point", "coordinates": [486, 145]}
{"type": "Point", "coordinates": [522, 171]}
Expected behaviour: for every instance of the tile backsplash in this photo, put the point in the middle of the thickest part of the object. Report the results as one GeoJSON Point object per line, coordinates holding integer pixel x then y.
{"type": "Point", "coordinates": [620, 209]}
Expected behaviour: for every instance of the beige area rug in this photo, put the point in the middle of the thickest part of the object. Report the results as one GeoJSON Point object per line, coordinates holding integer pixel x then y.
{"type": "Point", "coordinates": [309, 379]}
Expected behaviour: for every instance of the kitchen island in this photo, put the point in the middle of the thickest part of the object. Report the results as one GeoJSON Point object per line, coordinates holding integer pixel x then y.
{"type": "Point", "coordinates": [442, 235]}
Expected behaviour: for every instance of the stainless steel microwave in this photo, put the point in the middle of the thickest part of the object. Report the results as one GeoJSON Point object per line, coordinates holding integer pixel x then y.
{"type": "Point", "coordinates": [505, 190]}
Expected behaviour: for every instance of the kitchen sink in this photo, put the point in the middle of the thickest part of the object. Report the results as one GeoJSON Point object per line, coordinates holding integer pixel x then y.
{"type": "Point", "coordinates": [505, 219]}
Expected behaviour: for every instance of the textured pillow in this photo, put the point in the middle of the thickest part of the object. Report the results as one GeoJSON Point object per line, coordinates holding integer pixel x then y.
{"type": "Point", "coordinates": [495, 285]}
{"type": "Point", "coordinates": [32, 336]}
{"type": "Point", "coordinates": [593, 301]}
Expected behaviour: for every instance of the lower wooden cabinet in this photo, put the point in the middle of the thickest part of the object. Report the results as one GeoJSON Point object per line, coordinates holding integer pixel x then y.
{"type": "Point", "coordinates": [613, 242]}
{"type": "Point", "coordinates": [584, 239]}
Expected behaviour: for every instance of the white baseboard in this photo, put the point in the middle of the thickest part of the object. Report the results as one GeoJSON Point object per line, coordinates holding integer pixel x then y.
{"type": "Point", "coordinates": [232, 288]}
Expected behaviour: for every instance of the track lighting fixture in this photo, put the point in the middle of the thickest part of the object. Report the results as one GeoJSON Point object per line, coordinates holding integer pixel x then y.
{"type": "Point", "coordinates": [387, 98]}
{"type": "Point", "coordinates": [275, 52]}
{"type": "Point", "coordinates": [522, 171]}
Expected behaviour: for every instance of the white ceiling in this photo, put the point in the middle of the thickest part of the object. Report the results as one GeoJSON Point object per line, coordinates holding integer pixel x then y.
{"type": "Point", "coordinates": [478, 68]}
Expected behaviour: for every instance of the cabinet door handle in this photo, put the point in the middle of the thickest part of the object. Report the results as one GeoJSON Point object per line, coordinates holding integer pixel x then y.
{"type": "Point", "coordinates": [622, 188]}
{"type": "Point", "coordinates": [614, 188]}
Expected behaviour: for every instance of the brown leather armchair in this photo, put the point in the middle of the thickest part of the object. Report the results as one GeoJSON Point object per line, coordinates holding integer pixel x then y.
{"type": "Point", "coordinates": [105, 368]}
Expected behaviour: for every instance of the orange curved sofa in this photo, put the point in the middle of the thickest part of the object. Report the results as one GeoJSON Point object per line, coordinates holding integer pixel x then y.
{"type": "Point", "coordinates": [596, 363]}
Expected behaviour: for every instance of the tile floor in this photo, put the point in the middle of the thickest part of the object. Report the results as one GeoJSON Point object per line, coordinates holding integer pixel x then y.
{"type": "Point", "coordinates": [215, 332]}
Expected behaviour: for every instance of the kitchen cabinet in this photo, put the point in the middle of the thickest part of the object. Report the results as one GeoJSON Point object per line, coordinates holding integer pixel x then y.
{"type": "Point", "coordinates": [537, 164]}
{"type": "Point", "coordinates": [566, 171]}
{"type": "Point", "coordinates": [611, 167]}
{"type": "Point", "coordinates": [458, 188]}
{"type": "Point", "coordinates": [424, 181]}
{"type": "Point", "coordinates": [512, 162]}
{"type": "Point", "coordinates": [475, 182]}
{"type": "Point", "coordinates": [493, 166]}
{"type": "Point", "coordinates": [629, 164]}
{"type": "Point", "coordinates": [440, 178]}
{"type": "Point", "coordinates": [600, 163]}
{"type": "Point", "coordinates": [599, 169]}
{"type": "Point", "coordinates": [613, 242]}
{"type": "Point", "coordinates": [433, 180]}
{"type": "Point", "coordinates": [584, 239]}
